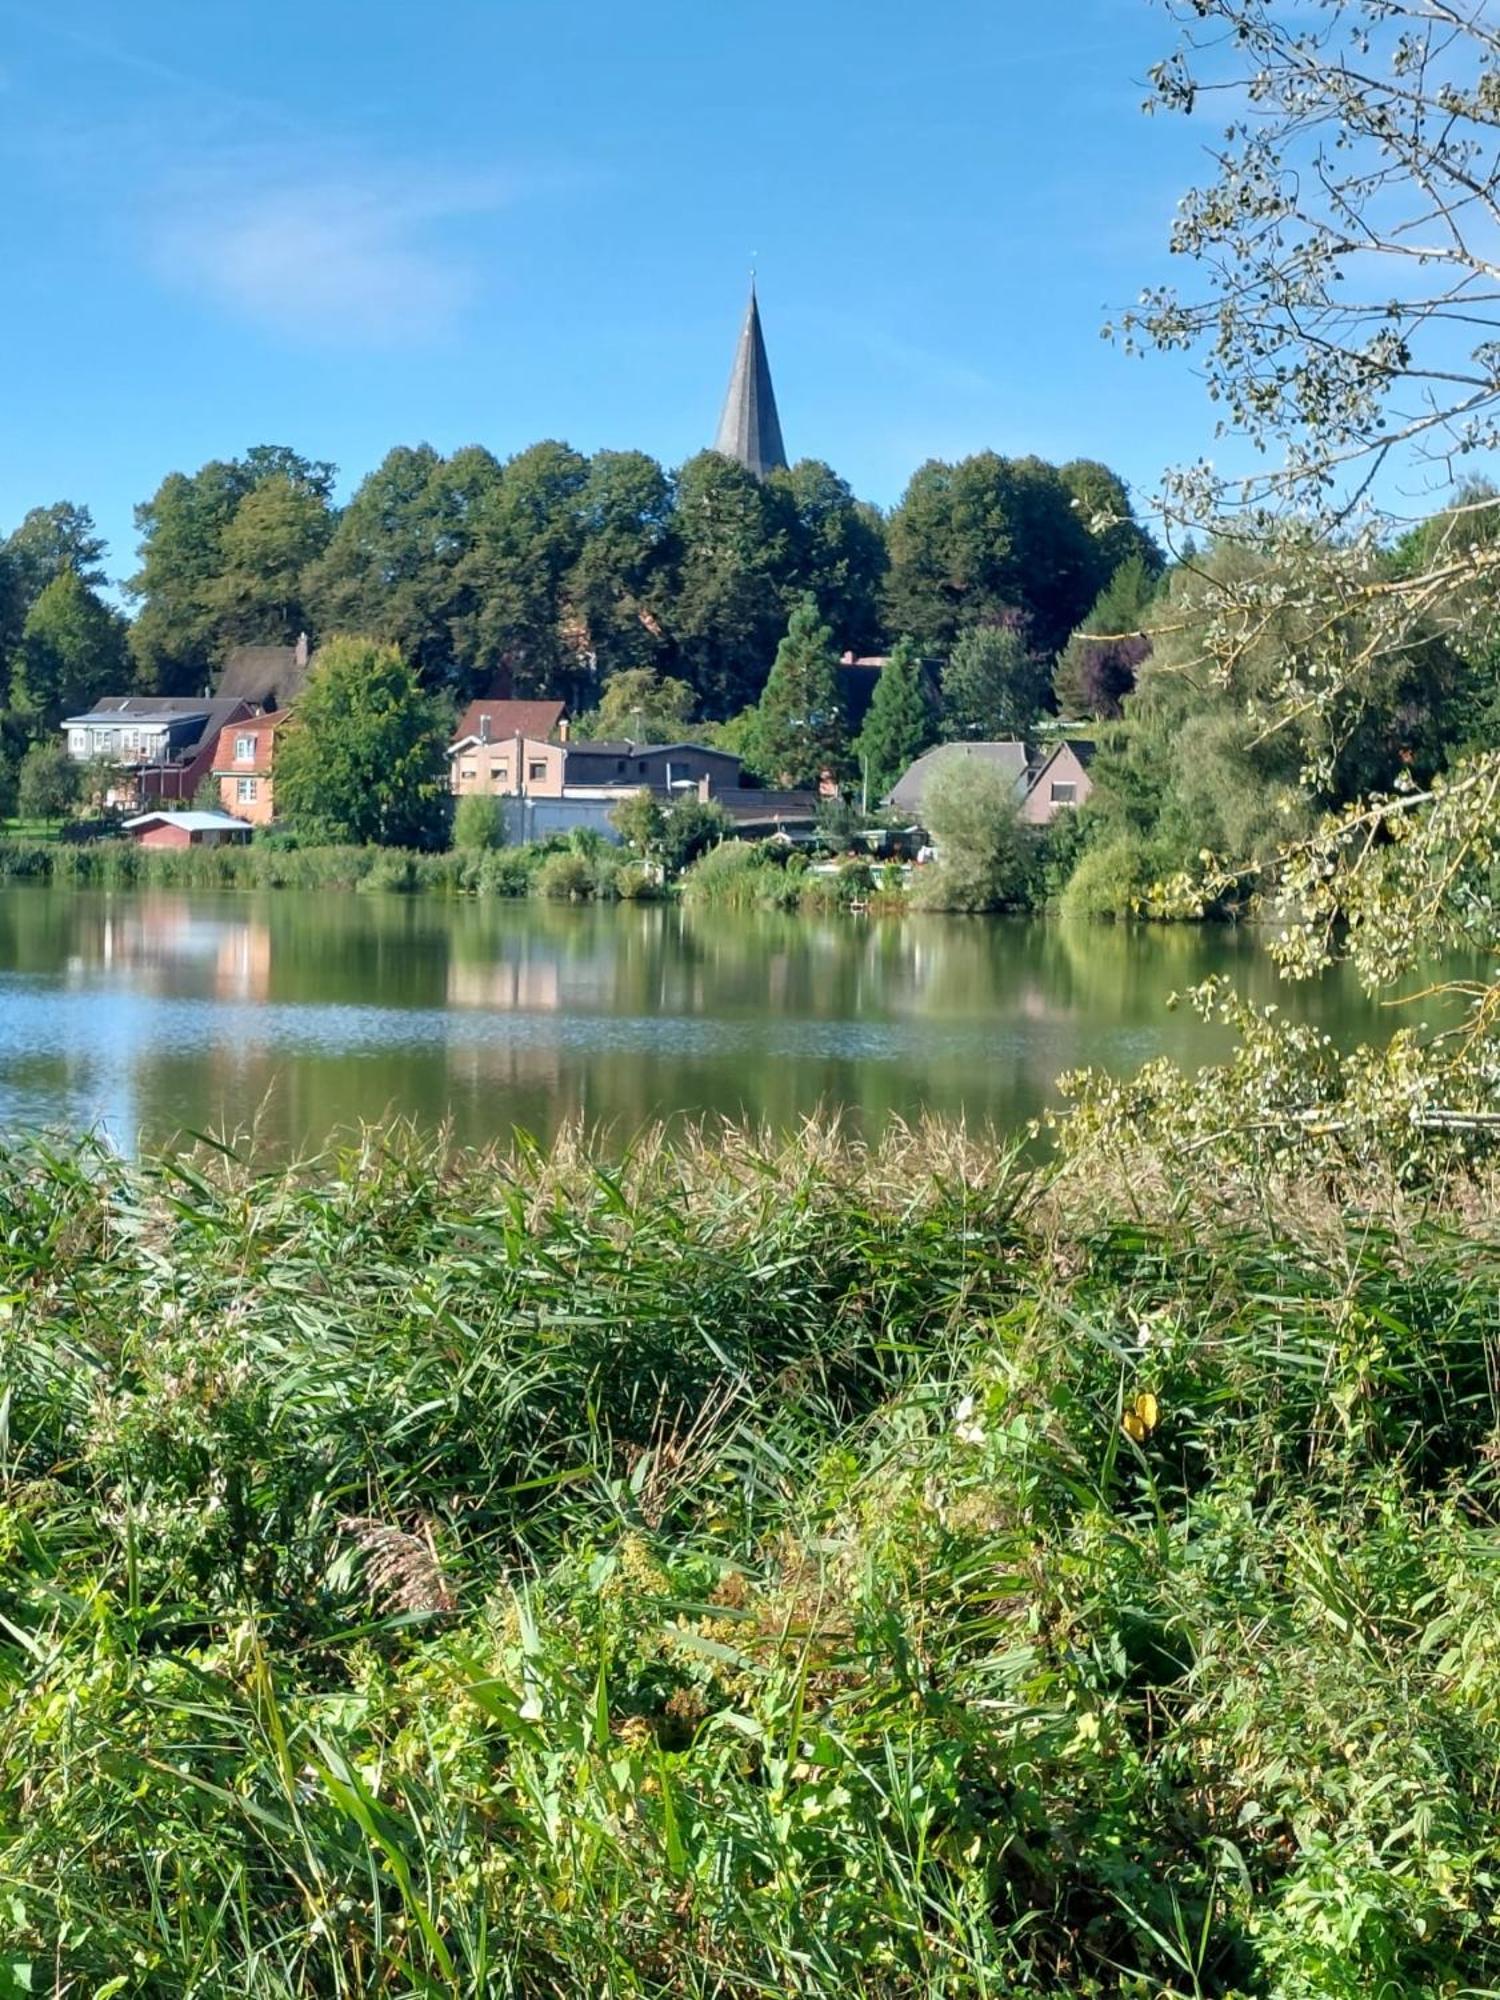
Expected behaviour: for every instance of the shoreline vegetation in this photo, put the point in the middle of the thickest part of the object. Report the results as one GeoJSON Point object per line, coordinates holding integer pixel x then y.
{"type": "Point", "coordinates": [748, 1566]}
{"type": "Point", "coordinates": [735, 875]}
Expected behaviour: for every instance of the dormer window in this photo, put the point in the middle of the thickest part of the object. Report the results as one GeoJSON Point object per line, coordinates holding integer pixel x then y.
{"type": "Point", "coordinates": [244, 749]}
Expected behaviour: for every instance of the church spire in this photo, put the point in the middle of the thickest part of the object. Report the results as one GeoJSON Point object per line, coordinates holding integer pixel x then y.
{"type": "Point", "coordinates": [750, 429]}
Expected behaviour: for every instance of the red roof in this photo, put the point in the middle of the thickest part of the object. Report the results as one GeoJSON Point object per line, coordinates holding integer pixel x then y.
{"type": "Point", "coordinates": [506, 719]}
{"type": "Point", "coordinates": [259, 726]}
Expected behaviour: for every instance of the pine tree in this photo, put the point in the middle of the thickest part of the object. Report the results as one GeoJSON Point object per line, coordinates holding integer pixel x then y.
{"type": "Point", "coordinates": [900, 723]}
{"type": "Point", "coordinates": [801, 720]}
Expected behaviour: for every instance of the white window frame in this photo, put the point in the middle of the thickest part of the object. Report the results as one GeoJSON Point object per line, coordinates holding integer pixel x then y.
{"type": "Point", "coordinates": [246, 791]}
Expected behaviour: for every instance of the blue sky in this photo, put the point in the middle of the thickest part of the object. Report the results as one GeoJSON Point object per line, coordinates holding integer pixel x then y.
{"type": "Point", "coordinates": [346, 224]}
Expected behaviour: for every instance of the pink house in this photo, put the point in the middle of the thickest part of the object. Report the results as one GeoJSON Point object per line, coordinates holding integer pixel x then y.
{"type": "Point", "coordinates": [1061, 783]}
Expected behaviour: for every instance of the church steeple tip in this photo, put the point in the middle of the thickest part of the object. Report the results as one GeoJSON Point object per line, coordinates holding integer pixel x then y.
{"type": "Point", "coordinates": [750, 429]}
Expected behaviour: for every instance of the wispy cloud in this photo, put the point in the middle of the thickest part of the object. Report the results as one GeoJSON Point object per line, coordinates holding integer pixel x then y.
{"type": "Point", "coordinates": [333, 254]}
{"type": "Point", "coordinates": [133, 61]}
{"type": "Point", "coordinates": [316, 238]}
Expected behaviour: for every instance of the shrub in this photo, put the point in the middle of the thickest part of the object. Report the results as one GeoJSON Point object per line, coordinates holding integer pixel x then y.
{"type": "Point", "coordinates": [1111, 879]}
{"type": "Point", "coordinates": [566, 876]}
{"type": "Point", "coordinates": [732, 876]}
{"type": "Point", "coordinates": [392, 870]}
{"type": "Point", "coordinates": [478, 823]}
{"type": "Point", "coordinates": [690, 829]}
{"type": "Point", "coordinates": [50, 782]}
{"type": "Point", "coordinates": [635, 883]}
{"type": "Point", "coordinates": [822, 895]}
{"type": "Point", "coordinates": [509, 871]}
{"type": "Point", "coordinates": [985, 856]}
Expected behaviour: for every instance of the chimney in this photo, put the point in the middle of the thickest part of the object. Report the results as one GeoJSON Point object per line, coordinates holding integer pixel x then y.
{"type": "Point", "coordinates": [484, 726]}
{"type": "Point", "coordinates": [562, 730]}
{"type": "Point", "coordinates": [301, 651]}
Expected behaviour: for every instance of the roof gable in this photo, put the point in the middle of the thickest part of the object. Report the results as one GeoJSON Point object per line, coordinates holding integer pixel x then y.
{"type": "Point", "coordinates": [1009, 757]}
{"type": "Point", "coordinates": [536, 719]}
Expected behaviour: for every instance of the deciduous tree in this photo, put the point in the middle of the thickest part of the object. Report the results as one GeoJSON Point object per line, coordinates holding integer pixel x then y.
{"type": "Point", "coordinates": [1100, 662]}
{"type": "Point", "coordinates": [642, 706]}
{"type": "Point", "coordinates": [50, 782]}
{"type": "Point", "coordinates": [970, 808]}
{"type": "Point", "coordinates": [363, 761]}
{"type": "Point", "coordinates": [730, 606]}
{"type": "Point", "coordinates": [834, 551]}
{"type": "Point", "coordinates": [991, 537]}
{"type": "Point", "coordinates": [639, 821]}
{"type": "Point", "coordinates": [398, 564]}
{"type": "Point", "coordinates": [478, 823]}
{"type": "Point", "coordinates": [994, 687]}
{"type": "Point", "coordinates": [186, 623]}
{"type": "Point", "coordinates": [48, 541]}
{"type": "Point", "coordinates": [528, 535]}
{"type": "Point", "coordinates": [617, 595]}
{"type": "Point", "coordinates": [73, 649]}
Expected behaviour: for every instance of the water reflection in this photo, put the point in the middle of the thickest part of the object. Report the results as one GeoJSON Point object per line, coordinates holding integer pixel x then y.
{"type": "Point", "coordinates": [158, 1014]}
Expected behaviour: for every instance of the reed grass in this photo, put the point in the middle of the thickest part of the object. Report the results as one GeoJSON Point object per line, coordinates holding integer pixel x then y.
{"type": "Point", "coordinates": [113, 864]}
{"type": "Point", "coordinates": [740, 1568]}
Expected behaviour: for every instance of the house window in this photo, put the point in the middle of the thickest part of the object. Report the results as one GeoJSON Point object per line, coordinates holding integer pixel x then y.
{"type": "Point", "coordinates": [499, 773]}
{"type": "Point", "coordinates": [1063, 794]}
{"type": "Point", "coordinates": [619, 764]}
{"type": "Point", "coordinates": [78, 742]}
{"type": "Point", "coordinates": [244, 749]}
{"type": "Point", "coordinates": [466, 771]}
{"type": "Point", "coordinates": [641, 766]}
{"type": "Point", "coordinates": [245, 790]}
{"type": "Point", "coordinates": [537, 768]}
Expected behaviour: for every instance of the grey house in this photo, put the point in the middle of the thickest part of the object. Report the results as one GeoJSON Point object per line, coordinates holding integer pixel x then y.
{"type": "Point", "coordinates": [1010, 759]}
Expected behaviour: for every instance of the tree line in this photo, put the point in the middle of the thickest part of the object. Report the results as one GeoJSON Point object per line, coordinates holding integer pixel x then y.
{"type": "Point", "coordinates": [551, 571]}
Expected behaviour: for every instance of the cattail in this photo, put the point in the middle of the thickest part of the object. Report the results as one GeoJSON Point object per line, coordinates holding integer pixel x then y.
{"type": "Point", "coordinates": [402, 1571]}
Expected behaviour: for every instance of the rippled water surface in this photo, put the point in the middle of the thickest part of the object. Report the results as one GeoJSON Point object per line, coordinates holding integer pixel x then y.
{"type": "Point", "coordinates": [156, 1014]}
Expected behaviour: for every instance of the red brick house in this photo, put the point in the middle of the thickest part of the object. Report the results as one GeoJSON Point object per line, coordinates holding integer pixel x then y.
{"type": "Point", "coordinates": [243, 764]}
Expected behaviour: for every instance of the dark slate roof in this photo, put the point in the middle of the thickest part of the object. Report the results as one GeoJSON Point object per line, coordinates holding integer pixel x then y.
{"type": "Point", "coordinates": [750, 429]}
{"type": "Point", "coordinates": [749, 808]}
{"type": "Point", "coordinates": [628, 749]}
{"type": "Point", "coordinates": [265, 676]}
{"type": "Point", "coordinates": [907, 793]}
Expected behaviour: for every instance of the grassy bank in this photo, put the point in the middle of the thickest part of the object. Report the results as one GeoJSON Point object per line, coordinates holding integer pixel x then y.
{"type": "Point", "coordinates": [734, 876]}
{"type": "Point", "coordinates": [537, 869]}
{"type": "Point", "coordinates": [745, 1570]}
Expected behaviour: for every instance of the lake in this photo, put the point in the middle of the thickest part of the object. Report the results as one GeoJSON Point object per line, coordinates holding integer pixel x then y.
{"type": "Point", "coordinates": [154, 1014]}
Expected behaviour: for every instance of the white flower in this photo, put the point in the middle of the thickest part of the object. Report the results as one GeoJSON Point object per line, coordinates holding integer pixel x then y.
{"type": "Point", "coordinates": [964, 1427]}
